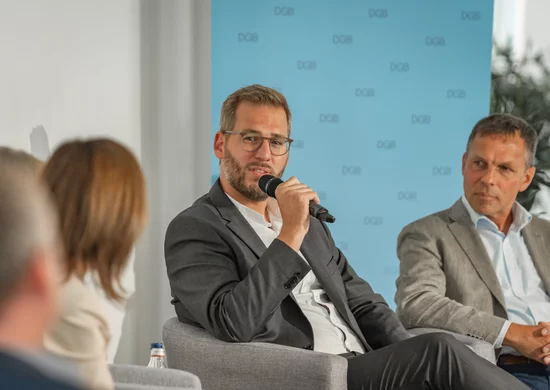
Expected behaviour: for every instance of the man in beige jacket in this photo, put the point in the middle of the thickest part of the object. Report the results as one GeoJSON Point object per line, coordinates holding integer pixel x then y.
{"type": "Point", "coordinates": [481, 267]}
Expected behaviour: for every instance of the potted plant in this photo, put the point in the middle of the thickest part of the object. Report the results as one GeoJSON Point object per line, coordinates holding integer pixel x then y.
{"type": "Point", "coordinates": [521, 86]}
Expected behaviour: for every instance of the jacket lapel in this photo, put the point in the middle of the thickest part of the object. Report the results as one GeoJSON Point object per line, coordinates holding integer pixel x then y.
{"type": "Point", "coordinates": [235, 221]}
{"type": "Point", "coordinates": [536, 247]}
{"type": "Point", "coordinates": [464, 232]}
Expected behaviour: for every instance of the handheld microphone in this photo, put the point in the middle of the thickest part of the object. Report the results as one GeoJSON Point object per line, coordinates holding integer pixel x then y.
{"type": "Point", "coordinates": [269, 184]}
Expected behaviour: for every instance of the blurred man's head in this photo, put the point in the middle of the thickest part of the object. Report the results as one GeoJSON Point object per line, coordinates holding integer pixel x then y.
{"type": "Point", "coordinates": [29, 259]}
{"type": "Point", "coordinates": [247, 115]}
{"type": "Point", "coordinates": [20, 160]}
{"type": "Point", "coordinates": [498, 164]}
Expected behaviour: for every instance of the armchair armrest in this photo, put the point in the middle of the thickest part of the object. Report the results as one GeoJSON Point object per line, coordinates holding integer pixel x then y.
{"type": "Point", "coordinates": [128, 376]}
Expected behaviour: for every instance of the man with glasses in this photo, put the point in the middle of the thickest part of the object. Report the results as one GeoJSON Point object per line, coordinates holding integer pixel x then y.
{"type": "Point", "coordinates": [246, 268]}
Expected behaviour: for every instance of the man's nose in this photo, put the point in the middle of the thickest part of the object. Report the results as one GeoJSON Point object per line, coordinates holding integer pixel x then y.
{"type": "Point", "coordinates": [264, 152]}
{"type": "Point", "coordinates": [489, 176]}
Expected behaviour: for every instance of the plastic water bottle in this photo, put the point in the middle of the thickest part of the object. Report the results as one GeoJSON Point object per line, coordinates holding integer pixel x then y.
{"type": "Point", "coordinates": [157, 356]}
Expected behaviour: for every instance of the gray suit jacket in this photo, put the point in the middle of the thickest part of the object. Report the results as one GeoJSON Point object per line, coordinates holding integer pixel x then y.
{"type": "Point", "coordinates": [447, 280]}
{"type": "Point", "coordinates": [225, 280]}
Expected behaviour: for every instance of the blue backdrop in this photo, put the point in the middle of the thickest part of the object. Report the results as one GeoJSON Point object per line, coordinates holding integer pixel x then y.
{"type": "Point", "coordinates": [383, 96]}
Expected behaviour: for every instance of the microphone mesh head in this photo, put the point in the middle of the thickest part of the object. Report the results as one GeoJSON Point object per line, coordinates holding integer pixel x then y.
{"type": "Point", "coordinates": [268, 185]}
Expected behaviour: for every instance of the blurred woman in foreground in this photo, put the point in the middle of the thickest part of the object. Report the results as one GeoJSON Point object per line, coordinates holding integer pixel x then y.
{"type": "Point", "coordinates": [99, 190]}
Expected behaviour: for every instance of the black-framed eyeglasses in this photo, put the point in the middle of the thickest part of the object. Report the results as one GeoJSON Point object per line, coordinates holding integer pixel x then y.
{"type": "Point", "coordinates": [251, 142]}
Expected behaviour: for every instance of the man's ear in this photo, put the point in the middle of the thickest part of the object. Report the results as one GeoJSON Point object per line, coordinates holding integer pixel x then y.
{"type": "Point", "coordinates": [527, 178]}
{"type": "Point", "coordinates": [42, 280]}
{"type": "Point", "coordinates": [219, 144]}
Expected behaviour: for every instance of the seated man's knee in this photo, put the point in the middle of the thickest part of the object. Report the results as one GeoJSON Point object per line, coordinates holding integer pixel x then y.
{"type": "Point", "coordinates": [438, 339]}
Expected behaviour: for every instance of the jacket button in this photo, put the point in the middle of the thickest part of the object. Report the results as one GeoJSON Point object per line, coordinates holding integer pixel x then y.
{"type": "Point", "coordinates": [287, 286]}
{"type": "Point", "coordinates": [309, 346]}
{"type": "Point", "coordinates": [297, 275]}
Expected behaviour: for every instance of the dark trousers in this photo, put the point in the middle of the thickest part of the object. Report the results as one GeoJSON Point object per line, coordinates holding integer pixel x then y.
{"type": "Point", "coordinates": [430, 361]}
{"type": "Point", "coordinates": [534, 375]}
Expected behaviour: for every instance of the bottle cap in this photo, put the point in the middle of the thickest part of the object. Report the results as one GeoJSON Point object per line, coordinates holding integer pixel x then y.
{"type": "Point", "coordinates": [156, 345]}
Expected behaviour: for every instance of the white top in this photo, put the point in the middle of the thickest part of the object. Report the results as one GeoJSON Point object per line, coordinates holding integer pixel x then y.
{"type": "Point", "coordinates": [525, 296]}
{"type": "Point", "coordinates": [115, 311]}
{"type": "Point", "coordinates": [330, 332]}
{"type": "Point", "coordinates": [81, 334]}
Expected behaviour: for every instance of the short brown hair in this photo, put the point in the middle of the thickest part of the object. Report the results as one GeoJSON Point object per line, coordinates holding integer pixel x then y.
{"type": "Point", "coordinates": [255, 94]}
{"type": "Point", "coordinates": [20, 160]}
{"type": "Point", "coordinates": [99, 189]}
{"type": "Point", "coordinates": [507, 125]}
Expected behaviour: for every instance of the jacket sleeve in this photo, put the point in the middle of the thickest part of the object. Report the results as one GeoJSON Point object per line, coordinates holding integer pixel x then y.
{"type": "Point", "coordinates": [421, 286]}
{"type": "Point", "coordinates": [204, 277]}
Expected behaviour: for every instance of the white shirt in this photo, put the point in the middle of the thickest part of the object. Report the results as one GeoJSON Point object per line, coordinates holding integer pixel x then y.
{"type": "Point", "coordinates": [527, 301]}
{"type": "Point", "coordinates": [330, 332]}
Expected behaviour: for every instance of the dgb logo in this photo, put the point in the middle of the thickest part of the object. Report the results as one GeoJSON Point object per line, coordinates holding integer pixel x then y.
{"type": "Point", "coordinates": [284, 11]}
{"type": "Point", "coordinates": [406, 195]}
{"type": "Point", "coordinates": [342, 39]}
{"type": "Point", "coordinates": [248, 37]}
{"type": "Point", "coordinates": [421, 119]}
{"type": "Point", "coordinates": [329, 118]}
{"type": "Point", "coordinates": [443, 171]}
{"type": "Point", "coordinates": [456, 94]}
{"type": "Point", "coordinates": [380, 13]}
{"type": "Point", "coordinates": [298, 144]}
{"type": "Point", "coordinates": [364, 92]}
{"type": "Point", "coordinates": [386, 144]}
{"type": "Point", "coordinates": [373, 221]}
{"type": "Point", "coordinates": [307, 65]}
{"type": "Point", "coordinates": [351, 170]}
{"type": "Point", "coordinates": [399, 66]}
{"type": "Point", "coordinates": [435, 41]}
{"type": "Point", "coordinates": [470, 15]}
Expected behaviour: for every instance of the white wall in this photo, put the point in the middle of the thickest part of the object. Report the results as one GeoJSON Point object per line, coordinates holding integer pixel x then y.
{"type": "Point", "coordinates": [71, 66]}
{"type": "Point", "coordinates": [134, 70]}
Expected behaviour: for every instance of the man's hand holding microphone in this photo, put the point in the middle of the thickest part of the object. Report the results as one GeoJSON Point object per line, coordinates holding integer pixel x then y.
{"type": "Point", "coordinates": [297, 202]}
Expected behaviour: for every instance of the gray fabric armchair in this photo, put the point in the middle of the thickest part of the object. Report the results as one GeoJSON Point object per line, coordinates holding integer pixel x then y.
{"type": "Point", "coordinates": [131, 377]}
{"type": "Point", "coordinates": [251, 366]}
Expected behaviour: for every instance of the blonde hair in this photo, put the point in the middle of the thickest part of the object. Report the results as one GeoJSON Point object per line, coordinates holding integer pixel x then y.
{"type": "Point", "coordinates": [100, 192]}
{"type": "Point", "coordinates": [255, 94]}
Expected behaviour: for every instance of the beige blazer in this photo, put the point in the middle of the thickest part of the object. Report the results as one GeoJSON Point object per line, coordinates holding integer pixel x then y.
{"type": "Point", "coordinates": [81, 335]}
{"type": "Point", "coordinates": [447, 280]}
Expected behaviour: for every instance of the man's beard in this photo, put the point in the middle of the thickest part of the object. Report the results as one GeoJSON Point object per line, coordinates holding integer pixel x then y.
{"type": "Point", "coordinates": [235, 174]}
